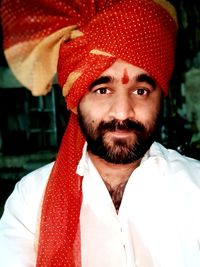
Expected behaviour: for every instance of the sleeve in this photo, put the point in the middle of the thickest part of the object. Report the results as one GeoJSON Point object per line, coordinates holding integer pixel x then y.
{"type": "Point", "coordinates": [19, 222]}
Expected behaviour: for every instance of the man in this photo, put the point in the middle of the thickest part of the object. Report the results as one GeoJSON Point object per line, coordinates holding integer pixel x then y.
{"type": "Point", "coordinates": [118, 199]}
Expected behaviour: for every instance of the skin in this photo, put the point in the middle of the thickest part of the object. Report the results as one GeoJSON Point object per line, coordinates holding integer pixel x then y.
{"type": "Point", "coordinates": [122, 96]}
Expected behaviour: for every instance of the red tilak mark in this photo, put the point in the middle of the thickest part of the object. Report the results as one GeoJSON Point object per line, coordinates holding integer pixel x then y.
{"type": "Point", "coordinates": [125, 78]}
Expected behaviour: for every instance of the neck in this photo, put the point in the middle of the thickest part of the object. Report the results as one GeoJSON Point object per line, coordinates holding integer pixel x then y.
{"type": "Point", "coordinates": [113, 174]}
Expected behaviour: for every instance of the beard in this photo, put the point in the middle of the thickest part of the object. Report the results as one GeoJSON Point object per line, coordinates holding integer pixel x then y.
{"type": "Point", "coordinates": [118, 150]}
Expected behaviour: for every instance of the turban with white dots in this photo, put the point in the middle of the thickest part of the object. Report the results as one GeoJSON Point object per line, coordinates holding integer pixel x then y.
{"type": "Point", "coordinates": [92, 34]}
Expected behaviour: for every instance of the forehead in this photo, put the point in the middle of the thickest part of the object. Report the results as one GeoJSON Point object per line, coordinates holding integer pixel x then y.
{"type": "Point", "coordinates": [119, 67]}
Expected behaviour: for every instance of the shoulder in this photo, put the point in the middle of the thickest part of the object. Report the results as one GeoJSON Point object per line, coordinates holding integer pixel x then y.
{"type": "Point", "coordinates": [26, 198]}
{"type": "Point", "coordinates": [19, 222]}
{"type": "Point", "coordinates": [173, 156]}
{"type": "Point", "coordinates": [180, 165]}
{"type": "Point", "coordinates": [30, 189]}
{"type": "Point", "coordinates": [36, 179]}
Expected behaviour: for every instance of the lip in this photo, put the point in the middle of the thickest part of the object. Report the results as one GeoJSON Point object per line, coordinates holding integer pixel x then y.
{"type": "Point", "coordinates": [121, 134]}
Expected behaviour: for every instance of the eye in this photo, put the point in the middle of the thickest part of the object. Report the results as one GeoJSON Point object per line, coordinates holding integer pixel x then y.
{"type": "Point", "coordinates": [141, 91]}
{"type": "Point", "coordinates": [102, 91]}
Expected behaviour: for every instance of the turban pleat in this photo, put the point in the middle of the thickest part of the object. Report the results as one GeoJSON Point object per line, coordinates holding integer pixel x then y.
{"type": "Point", "coordinates": [33, 31]}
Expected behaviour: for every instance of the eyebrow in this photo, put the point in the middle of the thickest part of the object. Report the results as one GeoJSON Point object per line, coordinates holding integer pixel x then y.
{"type": "Point", "coordinates": [100, 80]}
{"type": "Point", "coordinates": [139, 78]}
{"type": "Point", "coordinates": [147, 79]}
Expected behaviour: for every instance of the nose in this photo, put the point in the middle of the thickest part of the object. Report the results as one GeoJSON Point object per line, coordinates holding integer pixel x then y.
{"type": "Point", "coordinates": [122, 107]}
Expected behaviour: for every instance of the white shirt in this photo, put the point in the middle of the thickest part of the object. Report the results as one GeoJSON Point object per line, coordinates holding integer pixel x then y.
{"type": "Point", "coordinates": [158, 224]}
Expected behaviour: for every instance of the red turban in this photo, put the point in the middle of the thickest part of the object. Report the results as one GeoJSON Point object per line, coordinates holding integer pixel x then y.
{"type": "Point", "coordinates": [93, 35]}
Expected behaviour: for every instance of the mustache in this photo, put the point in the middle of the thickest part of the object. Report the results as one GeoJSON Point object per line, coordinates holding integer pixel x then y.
{"type": "Point", "coordinates": [126, 125]}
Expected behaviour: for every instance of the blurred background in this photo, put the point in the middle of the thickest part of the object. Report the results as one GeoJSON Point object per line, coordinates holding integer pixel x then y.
{"type": "Point", "coordinates": [31, 128]}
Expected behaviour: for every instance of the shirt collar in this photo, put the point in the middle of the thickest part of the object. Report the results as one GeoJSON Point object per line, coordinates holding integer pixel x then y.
{"type": "Point", "coordinates": [83, 163]}
{"type": "Point", "coordinates": [156, 152]}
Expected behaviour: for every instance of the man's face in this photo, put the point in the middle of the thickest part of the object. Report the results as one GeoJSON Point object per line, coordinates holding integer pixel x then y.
{"type": "Point", "coordinates": [120, 112]}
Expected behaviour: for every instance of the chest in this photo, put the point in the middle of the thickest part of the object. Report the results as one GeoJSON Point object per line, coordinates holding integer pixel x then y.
{"type": "Point", "coordinates": [151, 228]}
